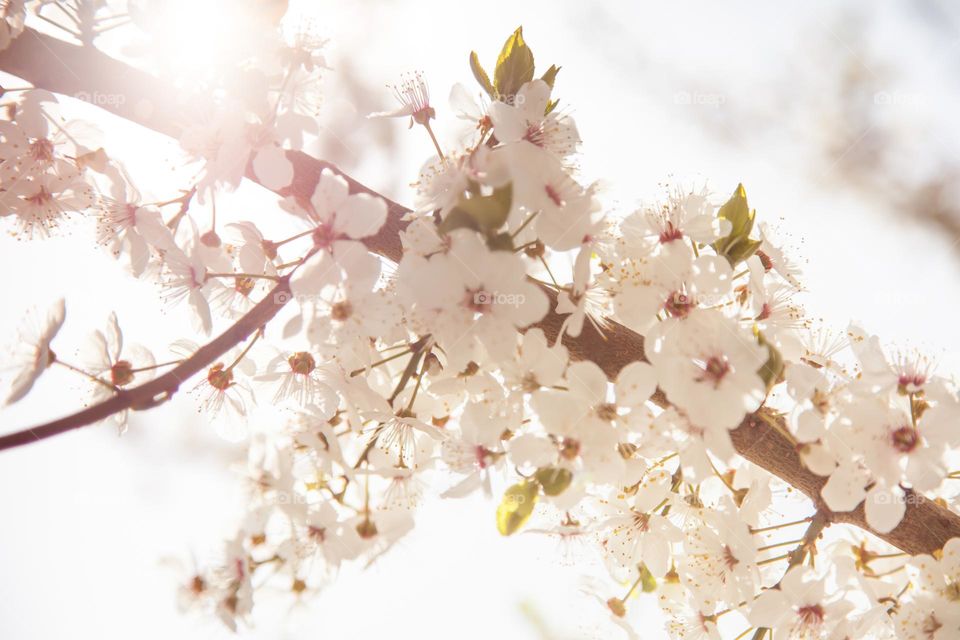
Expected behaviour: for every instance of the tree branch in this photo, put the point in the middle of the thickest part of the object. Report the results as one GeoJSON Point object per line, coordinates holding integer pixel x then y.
{"type": "Point", "coordinates": [68, 69]}
{"type": "Point", "coordinates": [158, 390]}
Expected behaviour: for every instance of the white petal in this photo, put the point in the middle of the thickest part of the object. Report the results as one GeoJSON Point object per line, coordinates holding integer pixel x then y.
{"type": "Point", "coordinates": [885, 508]}
{"type": "Point", "coordinates": [272, 168]}
{"type": "Point", "coordinates": [845, 488]}
{"type": "Point", "coordinates": [635, 384]}
{"type": "Point", "coordinates": [361, 215]}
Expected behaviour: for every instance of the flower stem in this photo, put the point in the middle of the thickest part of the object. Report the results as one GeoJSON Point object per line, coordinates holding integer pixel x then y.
{"type": "Point", "coordinates": [426, 125]}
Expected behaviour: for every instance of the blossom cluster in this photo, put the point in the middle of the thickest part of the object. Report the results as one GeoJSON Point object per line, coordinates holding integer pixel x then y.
{"type": "Point", "coordinates": [450, 371]}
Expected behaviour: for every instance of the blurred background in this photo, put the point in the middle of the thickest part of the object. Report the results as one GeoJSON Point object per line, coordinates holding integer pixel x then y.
{"type": "Point", "coordinates": [838, 117]}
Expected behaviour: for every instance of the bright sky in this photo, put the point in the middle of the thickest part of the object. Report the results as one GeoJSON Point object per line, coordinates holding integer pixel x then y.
{"type": "Point", "coordinates": [86, 518]}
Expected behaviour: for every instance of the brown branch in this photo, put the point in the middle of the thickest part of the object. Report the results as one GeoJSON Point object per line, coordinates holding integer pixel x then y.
{"type": "Point", "coordinates": [68, 69]}
{"type": "Point", "coordinates": [158, 390]}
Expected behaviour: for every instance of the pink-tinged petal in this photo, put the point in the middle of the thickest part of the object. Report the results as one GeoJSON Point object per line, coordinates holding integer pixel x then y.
{"type": "Point", "coordinates": [201, 318]}
{"type": "Point", "coordinates": [330, 194]}
{"type": "Point", "coordinates": [360, 216]}
{"type": "Point", "coordinates": [272, 168]}
{"type": "Point", "coordinates": [114, 338]}
{"type": "Point", "coordinates": [361, 268]}
{"type": "Point", "coordinates": [319, 270]}
{"type": "Point", "coordinates": [149, 224]}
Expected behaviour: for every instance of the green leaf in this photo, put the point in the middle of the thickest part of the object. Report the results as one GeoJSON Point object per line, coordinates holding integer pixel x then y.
{"type": "Point", "coordinates": [647, 581]}
{"type": "Point", "coordinates": [516, 506]}
{"type": "Point", "coordinates": [554, 480]}
{"type": "Point", "coordinates": [551, 75]}
{"type": "Point", "coordinates": [772, 369]}
{"type": "Point", "coordinates": [483, 213]}
{"type": "Point", "coordinates": [481, 75]}
{"type": "Point", "coordinates": [457, 219]}
{"type": "Point", "coordinates": [502, 241]}
{"type": "Point", "coordinates": [514, 66]}
{"type": "Point", "coordinates": [737, 246]}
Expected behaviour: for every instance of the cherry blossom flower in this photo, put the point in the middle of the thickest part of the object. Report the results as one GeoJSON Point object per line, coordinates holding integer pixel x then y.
{"type": "Point", "coordinates": [800, 607]}
{"type": "Point", "coordinates": [186, 278]}
{"type": "Point", "coordinates": [105, 358]}
{"type": "Point", "coordinates": [721, 560]}
{"type": "Point", "coordinates": [523, 122]}
{"type": "Point", "coordinates": [634, 535]}
{"type": "Point", "coordinates": [566, 212]}
{"type": "Point", "coordinates": [708, 367]}
{"type": "Point", "coordinates": [441, 183]}
{"type": "Point", "coordinates": [12, 14]}
{"type": "Point", "coordinates": [31, 354]}
{"type": "Point", "coordinates": [124, 225]}
{"type": "Point", "coordinates": [41, 202]}
{"type": "Point", "coordinates": [472, 291]}
{"type": "Point", "coordinates": [301, 380]}
{"type": "Point", "coordinates": [339, 219]}
{"type": "Point", "coordinates": [414, 98]}
{"type": "Point", "coordinates": [932, 612]}
{"type": "Point", "coordinates": [684, 215]}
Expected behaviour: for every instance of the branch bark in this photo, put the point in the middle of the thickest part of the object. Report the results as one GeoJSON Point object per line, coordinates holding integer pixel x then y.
{"type": "Point", "coordinates": [159, 389]}
{"type": "Point", "coordinates": [68, 69]}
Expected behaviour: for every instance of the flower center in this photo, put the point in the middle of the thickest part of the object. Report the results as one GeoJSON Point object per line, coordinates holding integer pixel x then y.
{"type": "Point", "coordinates": [729, 559]}
{"type": "Point", "coordinates": [197, 585]}
{"type": "Point", "coordinates": [121, 373]}
{"type": "Point", "coordinates": [811, 615]}
{"type": "Point", "coordinates": [40, 198]}
{"type": "Point", "coordinates": [41, 150]}
{"type": "Point", "coordinates": [569, 448]}
{"type": "Point", "coordinates": [907, 383]}
{"type": "Point", "coordinates": [679, 304]}
{"type": "Point", "coordinates": [529, 383]}
{"type": "Point", "coordinates": [130, 214]}
{"type": "Point", "coordinates": [904, 439]}
{"type": "Point", "coordinates": [340, 311]}
{"type": "Point", "coordinates": [478, 300]}
{"type": "Point", "coordinates": [483, 456]}
{"type": "Point", "coordinates": [670, 232]}
{"type": "Point", "coordinates": [302, 363]}
{"type": "Point", "coordinates": [607, 411]}
{"type": "Point", "coordinates": [534, 135]}
{"type": "Point", "coordinates": [324, 235]}
{"type": "Point", "coordinates": [366, 529]}
{"type": "Point", "coordinates": [715, 369]}
{"type": "Point", "coordinates": [641, 522]}
{"type": "Point", "coordinates": [243, 285]}
{"type": "Point", "coordinates": [219, 377]}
